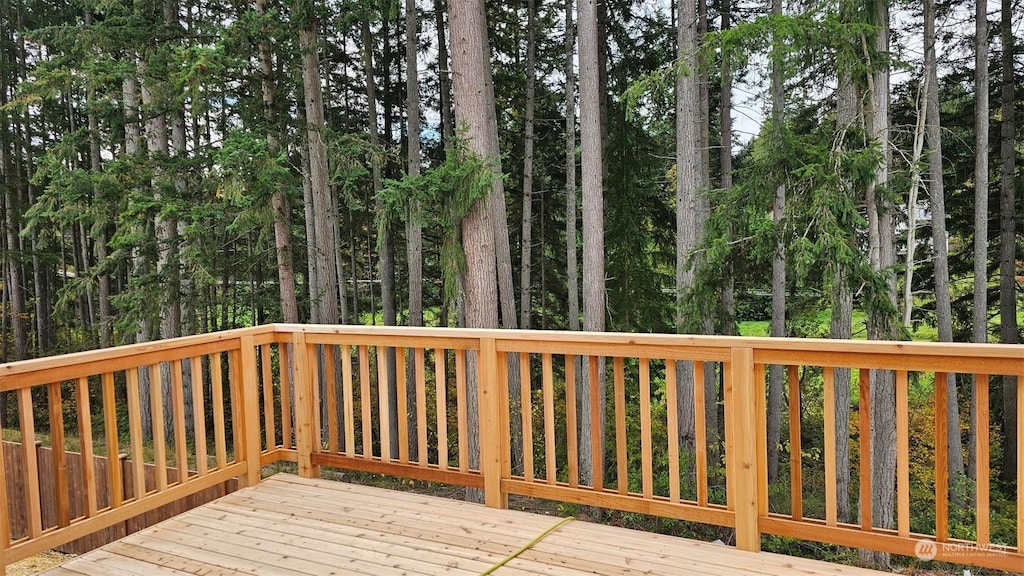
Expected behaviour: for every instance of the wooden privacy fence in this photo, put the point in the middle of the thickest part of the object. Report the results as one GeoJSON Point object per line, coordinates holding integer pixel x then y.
{"type": "Point", "coordinates": [674, 426]}
{"type": "Point", "coordinates": [18, 514]}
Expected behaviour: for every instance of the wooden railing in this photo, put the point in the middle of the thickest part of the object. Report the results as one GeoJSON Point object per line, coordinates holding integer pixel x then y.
{"type": "Point", "coordinates": [519, 412]}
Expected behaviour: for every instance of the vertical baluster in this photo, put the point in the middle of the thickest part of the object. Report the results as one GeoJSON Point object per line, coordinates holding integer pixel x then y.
{"type": "Point", "coordinates": [500, 406]}
{"type": "Point", "coordinates": [30, 477]}
{"type": "Point", "coordinates": [331, 384]}
{"type": "Point", "coordinates": [284, 368]}
{"type": "Point", "coordinates": [383, 412]}
{"type": "Point", "coordinates": [796, 482]}
{"type": "Point", "coordinates": [441, 408]}
{"type": "Point", "coordinates": [981, 436]}
{"type": "Point", "coordinates": [700, 433]}
{"type": "Point", "coordinates": [621, 465]}
{"type": "Point", "coordinates": [349, 399]}
{"type": "Point", "coordinates": [864, 411]}
{"type": "Point", "coordinates": [60, 465]}
{"type": "Point", "coordinates": [269, 425]}
{"type": "Point", "coordinates": [941, 459]}
{"type": "Point", "coordinates": [199, 415]}
{"type": "Point", "coordinates": [180, 443]}
{"type": "Point", "coordinates": [902, 455]}
{"type": "Point", "coordinates": [236, 387]}
{"type": "Point", "coordinates": [526, 409]}
{"type": "Point", "coordinates": [156, 396]}
{"type": "Point", "coordinates": [550, 467]}
{"type": "Point", "coordinates": [402, 391]}
{"type": "Point", "coordinates": [217, 399]}
{"type": "Point", "coordinates": [571, 440]}
{"type": "Point", "coordinates": [672, 423]}
{"type": "Point", "coordinates": [462, 409]}
{"type": "Point", "coordinates": [421, 406]}
{"type": "Point", "coordinates": [596, 419]}
{"type": "Point", "coordinates": [135, 434]}
{"type": "Point", "coordinates": [365, 401]}
{"type": "Point", "coordinates": [646, 448]}
{"type": "Point", "coordinates": [829, 393]}
{"type": "Point", "coordinates": [110, 433]}
{"type": "Point", "coordinates": [85, 436]}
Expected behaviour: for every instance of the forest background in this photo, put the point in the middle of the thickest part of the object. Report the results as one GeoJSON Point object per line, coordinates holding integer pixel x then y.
{"type": "Point", "coordinates": [181, 166]}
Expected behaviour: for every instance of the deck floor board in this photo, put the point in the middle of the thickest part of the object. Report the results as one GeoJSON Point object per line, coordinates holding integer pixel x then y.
{"type": "Point", "coordinates": [289, 525]}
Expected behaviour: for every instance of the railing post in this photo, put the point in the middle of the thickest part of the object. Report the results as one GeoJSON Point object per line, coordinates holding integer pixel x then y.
{"type": "Point", "coordinates": [249, 394]}
{"type": "Point", "coordinates": [741, 448]}
{"type": "Point", "coordinates": [306, 438]}
{"type": "Point", "coordinates": [493, 436]}
{"type": "Point", "coordinates": [5, 525]}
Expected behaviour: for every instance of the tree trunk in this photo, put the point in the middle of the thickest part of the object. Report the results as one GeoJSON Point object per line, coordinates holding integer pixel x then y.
{"type": "Point", "coordinates": [12, 227]}
{"type": "Point", "coordinates": [778, 321]}
{"type": "Point", "coordinates": [475, 110]}
{"type": "Point", "coordinates": [18, 310]}
{"type": "Point", "coordinates": [592, 175]}
{"type": "Point", "coordinates": [527, 227]}
{"type": "Point", "coordinates": [571, 259]}
{"type": "Point", "coordinates": [443, 78]}
{"type": "Point", "coordinates": [689, 213]}
{"type": "Point", "coordinates": [414, 232]}
{"type": "Point", "coordinates": [527, 168]}
{"type": "Point", "coordinates": [326, 294]}
{"type": "Point", "coordinates": [943, 307]}
{"type": "Point", "coordinates": [882, 324]}
{"type": "Point", "coordinates": [979, 324]}
{"type": "Point", "coordinates": [278, 201]}
{"type": "Point", "coordinates": [915, 186]}
{"type": "Point", "coordinates": [312, 262]}
{"type": "Point", "coordinates": [725, 163]}
{"type": "Point", "coordinates": [106, 323]}
{"type": "Point", "coordinates": [1008, 331]}
{"type": "Point", "coordinates": [841, 325]}
{"type": "Point", "coordinates": [385, 247]}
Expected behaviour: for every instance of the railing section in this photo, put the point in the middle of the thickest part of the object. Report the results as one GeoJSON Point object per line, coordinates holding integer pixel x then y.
{"type": "Point", "coordinates": [171, 411]}
{"type": "Point", "coordinates": [394, 405]}
{"type": "Point", "coordinates": [674, 426]}
{"type": "Point", "coordinates": [939, 512]}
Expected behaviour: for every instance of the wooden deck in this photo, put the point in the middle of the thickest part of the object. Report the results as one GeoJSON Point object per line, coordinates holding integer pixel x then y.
{"type": "Point", "coordinates": [290, 525]}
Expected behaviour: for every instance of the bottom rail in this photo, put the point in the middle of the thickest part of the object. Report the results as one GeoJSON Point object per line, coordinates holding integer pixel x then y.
{"type": "Point", "coordinates": [83, 527]}
{"type": "Point", "coordinates": [921, 546]}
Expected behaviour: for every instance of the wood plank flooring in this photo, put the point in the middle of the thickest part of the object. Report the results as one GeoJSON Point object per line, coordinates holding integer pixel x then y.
{"type": "Point", "coordinates": [292, 526]}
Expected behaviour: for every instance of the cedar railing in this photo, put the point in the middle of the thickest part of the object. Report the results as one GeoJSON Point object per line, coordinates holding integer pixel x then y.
{"type": "Point", "coordinates": [399, 401]}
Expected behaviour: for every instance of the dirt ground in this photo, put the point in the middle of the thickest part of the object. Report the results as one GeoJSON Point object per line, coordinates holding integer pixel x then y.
{"type": "Point", "coordinates": [37, 563]}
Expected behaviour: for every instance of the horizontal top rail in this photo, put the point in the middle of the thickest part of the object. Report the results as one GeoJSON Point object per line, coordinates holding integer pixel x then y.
{"type": "Point", "coordinates": [67, 366]}
{"type": "Point", "coordinates": [951, 349]}
{"type": "Point", "coordinates": [946, 356]}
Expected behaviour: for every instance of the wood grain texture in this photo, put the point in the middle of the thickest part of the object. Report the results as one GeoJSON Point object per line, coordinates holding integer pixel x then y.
{"type": "Point", "coordinates": [290, 525]}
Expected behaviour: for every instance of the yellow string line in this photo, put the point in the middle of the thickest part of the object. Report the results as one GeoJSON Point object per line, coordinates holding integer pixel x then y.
{"type": "Point", "coordinates": [527, 546]}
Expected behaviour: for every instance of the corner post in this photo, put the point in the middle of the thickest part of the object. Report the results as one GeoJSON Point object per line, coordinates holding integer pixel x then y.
{"type": "Point", "coordinates": [493, 437]}
{"type": "Point", "coordinates": [741, 448]}
{"type": "Point", "coordinates": [306, 438]}
{"type": "Point", "coordinates": [249, 394]}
